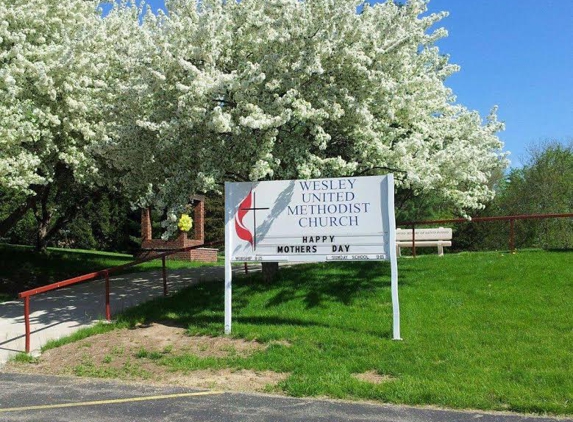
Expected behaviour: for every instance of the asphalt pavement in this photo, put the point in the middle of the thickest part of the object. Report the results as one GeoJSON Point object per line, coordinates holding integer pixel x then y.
{"type": "Point", "coordinates": [48, 398]}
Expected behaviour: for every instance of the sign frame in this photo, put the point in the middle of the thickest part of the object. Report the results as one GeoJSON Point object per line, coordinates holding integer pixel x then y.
{"type": "Point", "coordinates": [241, 241]}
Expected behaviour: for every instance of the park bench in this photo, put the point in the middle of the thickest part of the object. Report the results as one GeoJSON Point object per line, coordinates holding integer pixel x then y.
{"type": "Point", "coordinates": [423, 238]}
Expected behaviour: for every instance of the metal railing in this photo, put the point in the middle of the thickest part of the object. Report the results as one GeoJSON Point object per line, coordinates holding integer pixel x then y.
{"type": "Point", "coordinates": [510, 218]}
{"type": "Point", "coordinates": [26, 295]}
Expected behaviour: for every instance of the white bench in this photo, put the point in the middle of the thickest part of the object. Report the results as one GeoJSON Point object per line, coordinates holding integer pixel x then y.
{"type": "Point", "coordinates": [437, 237]}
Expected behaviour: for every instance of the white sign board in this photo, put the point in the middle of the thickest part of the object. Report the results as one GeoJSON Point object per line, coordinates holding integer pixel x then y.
{"type": "Point", "coordinates": [340, 219]}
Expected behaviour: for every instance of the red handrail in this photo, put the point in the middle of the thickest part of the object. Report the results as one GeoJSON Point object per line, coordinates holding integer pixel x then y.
{"type": "Point", "coordinates": [97, 274]}
{"type": "Point", "coordinates": [476, 219]}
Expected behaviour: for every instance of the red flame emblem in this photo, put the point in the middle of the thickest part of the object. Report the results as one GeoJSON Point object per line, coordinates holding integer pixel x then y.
{"type": "Point", "coordinates": [240, 227]}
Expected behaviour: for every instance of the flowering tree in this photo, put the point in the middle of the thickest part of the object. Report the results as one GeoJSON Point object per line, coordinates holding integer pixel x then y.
{"type": "Point", "coordinates": [262, 89]}
{"type": "Point", "coordinates": [57, 87]}
{"type": "Point", "coordinates": [224, 90]}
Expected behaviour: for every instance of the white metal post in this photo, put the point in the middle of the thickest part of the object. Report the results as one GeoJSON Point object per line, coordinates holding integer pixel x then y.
{"type": "Point", "coordinates": [393, 259]}
{"type": "Point", "coordinates": [228, 247]}
{"type": "Point", "coordinates": [228, 294]}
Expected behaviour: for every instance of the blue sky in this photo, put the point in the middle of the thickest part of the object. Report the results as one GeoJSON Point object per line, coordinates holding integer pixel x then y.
{"type": "Point", "coordinates": [517, 54]}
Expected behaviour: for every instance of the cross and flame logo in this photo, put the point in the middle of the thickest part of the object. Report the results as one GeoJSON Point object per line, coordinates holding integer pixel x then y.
{"type": "Point", "coordinates": [242, 231]}
{"type": "Point", "coordinates": [246, 205]}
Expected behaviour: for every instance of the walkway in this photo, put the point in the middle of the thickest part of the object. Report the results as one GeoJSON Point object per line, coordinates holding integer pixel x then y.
{"type": "Point", "coordinates": [60, 313]}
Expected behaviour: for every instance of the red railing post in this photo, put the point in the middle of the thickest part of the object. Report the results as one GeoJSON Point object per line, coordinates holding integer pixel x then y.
{"type": "Point", "coordinates": [164, 276]}
{"type": "Point", "coordinates": [107, 307]}
{"type": "Point", "coordinates": [512, 235]}
{"type": "Point", "coordinates": [27, 321]}
{"type": "Point", "coordinates": [246, 268]}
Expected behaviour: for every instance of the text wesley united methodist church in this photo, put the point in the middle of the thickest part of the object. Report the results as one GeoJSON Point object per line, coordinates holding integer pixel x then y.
{"type": "Point", "coordinates": [328, 203]}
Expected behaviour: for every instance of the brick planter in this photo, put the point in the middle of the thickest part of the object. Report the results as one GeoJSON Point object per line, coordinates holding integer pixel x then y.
{"type": "Point", "coordinates": [150, 246]}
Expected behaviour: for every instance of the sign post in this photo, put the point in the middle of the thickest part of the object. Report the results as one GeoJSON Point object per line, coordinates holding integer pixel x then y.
{"type": "Point", "coordinates": [339, 219]}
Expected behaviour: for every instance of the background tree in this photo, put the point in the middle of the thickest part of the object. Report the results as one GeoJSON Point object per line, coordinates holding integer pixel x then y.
{"type": "Point", "coordinates": [105, 222]}
{"type": "Point", "coordinates": [214, 218]}
{"type": "Point", "coordinates": [57, 84]}
{"type": "Point", "coordinates": [544, 185]}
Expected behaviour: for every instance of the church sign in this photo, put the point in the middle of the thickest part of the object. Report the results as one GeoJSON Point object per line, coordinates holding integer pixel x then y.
{"type": "Point", "coordinates": [340, 219]}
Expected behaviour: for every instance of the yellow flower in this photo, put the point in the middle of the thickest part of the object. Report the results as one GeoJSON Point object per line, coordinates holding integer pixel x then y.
{"type": "Point", "coordinates": [185, 223]}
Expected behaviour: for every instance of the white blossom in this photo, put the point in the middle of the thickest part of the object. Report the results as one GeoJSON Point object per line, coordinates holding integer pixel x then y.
{"type": "Point", "coordinates": [286, 89]}
{"type": "Point", "coordinates": [58, 80]}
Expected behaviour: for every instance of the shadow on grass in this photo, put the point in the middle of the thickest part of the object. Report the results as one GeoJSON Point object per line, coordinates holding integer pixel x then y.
{"type": "Point", "coordinates": [181, 309]}
{"type": "Point", "coordinates": [333, 282]}
{"type": "Point", "coordinates": [314, 285]}
{"type": "Point", "coordinates": [213, 323]}
{"type": "Point", "coordinates": [22, 268]}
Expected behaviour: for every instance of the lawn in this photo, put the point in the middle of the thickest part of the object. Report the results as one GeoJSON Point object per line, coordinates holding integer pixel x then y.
{"type": "Point", "coordinates": [480, 330]}
{"type": "Point", "coordinates": [21, 268]}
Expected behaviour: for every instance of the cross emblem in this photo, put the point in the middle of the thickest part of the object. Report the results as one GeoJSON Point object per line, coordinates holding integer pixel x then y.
{"type": "Point", "coordinates": [245, 207]}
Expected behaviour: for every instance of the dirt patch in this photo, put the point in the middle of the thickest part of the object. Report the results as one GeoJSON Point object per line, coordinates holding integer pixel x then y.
{"type": "Point", "coordinates": [230, 380]}
{"type": "Point", "coordinates": [373, 377]}
{"type": "Point", "coordinates": [136, 354]}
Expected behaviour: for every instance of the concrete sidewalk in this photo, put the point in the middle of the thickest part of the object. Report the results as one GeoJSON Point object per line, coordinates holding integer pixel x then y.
{"type": "Point", "coordinates": [61, 312]}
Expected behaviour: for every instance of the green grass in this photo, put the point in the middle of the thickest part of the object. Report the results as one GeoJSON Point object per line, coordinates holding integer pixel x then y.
{"type": "Point", "coordinates": [481, 330]}
{"type": "Point", "coordinates": [89, 368]}
{"type": "Point", "coordinates": [23, 358]}
{"type": "Point", "coordinates": [21, 268]}
{"type": "Point", "coordinates": [82, 333]}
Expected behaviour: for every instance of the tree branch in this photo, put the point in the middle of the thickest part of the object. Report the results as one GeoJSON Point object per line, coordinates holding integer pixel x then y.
{"type": "Point", "coordinates": [237, 177]}
{"type": "Point", "coordinates": [16, 215]}
{"type": "Point", "coordinates": [393, 170]}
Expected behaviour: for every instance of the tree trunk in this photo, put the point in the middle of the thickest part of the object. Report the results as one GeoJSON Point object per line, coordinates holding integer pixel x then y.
{"type": "Point", "coordinates": [46, 231]}
{"type": "Point", "coordinates": [41, 236]}
{"type": "Point", "coordinates": [15, 216]}
{"type": "Point", "coordinates": [270, 269]}
{"type": "Point", "coordinates": [43, 216]}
